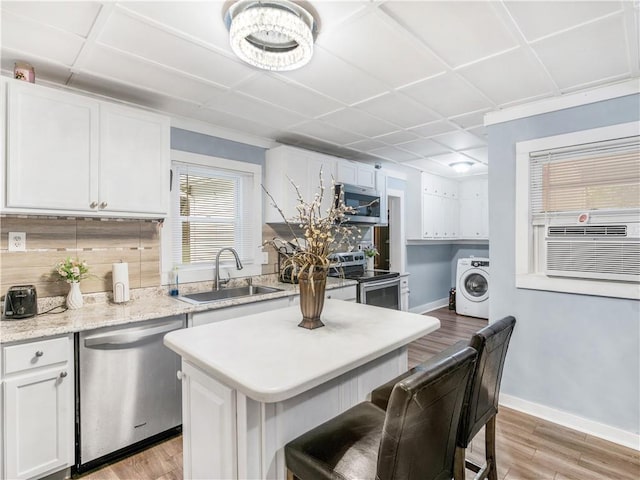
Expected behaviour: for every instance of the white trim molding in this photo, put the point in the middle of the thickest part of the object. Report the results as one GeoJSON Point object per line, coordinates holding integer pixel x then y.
{"type": "Point", "coordinates": [428, 307]}
{"type": "Point", "coordinates": [569, 420]}
{"type": "Point", "coordinates": [569, 100]}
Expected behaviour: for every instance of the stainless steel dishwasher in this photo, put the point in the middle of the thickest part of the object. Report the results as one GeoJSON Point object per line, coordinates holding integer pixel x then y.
{"type": "Point", "coordinates": [127, 392]}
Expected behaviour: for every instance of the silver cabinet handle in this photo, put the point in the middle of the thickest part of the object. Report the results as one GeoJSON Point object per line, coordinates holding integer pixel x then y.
{"type": "Point", "coordinates": [180, 375]}
{"type": "Point", "coordinates": [103, 205]}
{"type": "Point", "coordinates": [39, 353]}
{"type": "Point", "coordinates": [63, 374]}
{"type": "Point", "coordinates": [93, 204]}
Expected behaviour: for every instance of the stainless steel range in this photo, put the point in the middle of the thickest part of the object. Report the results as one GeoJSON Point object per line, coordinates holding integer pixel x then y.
{"type": "Point", "coordinates": [375, 287]}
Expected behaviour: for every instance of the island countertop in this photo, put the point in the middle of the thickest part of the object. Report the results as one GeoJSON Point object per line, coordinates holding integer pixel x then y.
{"type": "Point", "coordinates": [269, 358]}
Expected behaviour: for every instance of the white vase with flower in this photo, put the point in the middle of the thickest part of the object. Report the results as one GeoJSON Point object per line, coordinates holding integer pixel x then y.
{"type": "Point", "coordinates": [72, 271]}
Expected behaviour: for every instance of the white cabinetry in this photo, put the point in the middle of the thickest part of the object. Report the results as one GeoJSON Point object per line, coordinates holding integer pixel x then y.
{"type": "Point", "coordinates": [302, 167]}
{"type": "Point", "coordinates": [434, 200]}
{"type": "Point", "coordinates": [404, 292]}
{"type": "Point", "coordinates": [381, 187]}
{"type": "Point", "coordinates": [70, 154]}
{"type": "Point", "coordinates": [38, 408]}
{"type": "Point", "coordinates": [356, 173]}
{"type": "Point", "coordinates": [474, 208]}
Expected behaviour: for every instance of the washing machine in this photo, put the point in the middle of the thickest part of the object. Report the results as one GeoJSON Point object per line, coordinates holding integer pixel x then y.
{"type": "Point", "coordinates": [472, 287]}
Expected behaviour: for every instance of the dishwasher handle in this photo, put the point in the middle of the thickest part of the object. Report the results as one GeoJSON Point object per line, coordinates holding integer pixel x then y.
{"type": "Point", "coordinates": [129, 336]}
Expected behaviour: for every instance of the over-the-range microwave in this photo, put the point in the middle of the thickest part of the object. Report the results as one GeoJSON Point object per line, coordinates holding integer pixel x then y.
{"type": "Point", "coordinates": [365, 201]}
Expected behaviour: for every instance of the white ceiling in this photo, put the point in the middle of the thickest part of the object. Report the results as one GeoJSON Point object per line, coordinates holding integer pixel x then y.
{"type": "Point", "coordinates": [403, 81]}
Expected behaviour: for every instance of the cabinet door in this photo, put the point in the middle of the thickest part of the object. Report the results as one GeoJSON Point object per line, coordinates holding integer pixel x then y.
{"type": "Point", "coordinates": [52, 149]}
{"type": "Point", "coordinates": [366, 176]}
{"type": "Point", "coordinates": [209, 415]}
{"type": "Point", "coordinates": [347, 172]}
{"type": "Point", "coordinates": [430, 215]}
{"type": "Point", "coordinates": [328, 167]}
{"type": "Point", "coordinates": [39, 422]}
{"type": "Point", "coordinates": [134, 161]}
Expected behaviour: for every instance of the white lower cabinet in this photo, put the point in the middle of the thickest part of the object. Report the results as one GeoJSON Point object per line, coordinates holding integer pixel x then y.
{"type": "Point", "coordinates": [404, 292]}
{"type": "Point", "coordinates": [37, 408]}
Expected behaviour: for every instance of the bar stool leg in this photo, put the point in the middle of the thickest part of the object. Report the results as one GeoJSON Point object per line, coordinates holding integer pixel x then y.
{"type": "Point", "coordinates": [459, 464]}
{"type": "Point", "coordinates": [290, 475]}
{"type": "Point", "coordinates": [490, 448]}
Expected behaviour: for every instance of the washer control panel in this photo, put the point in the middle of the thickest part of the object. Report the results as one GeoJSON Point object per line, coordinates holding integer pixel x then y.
{"type": "Point", "coordinates": [479, 263]}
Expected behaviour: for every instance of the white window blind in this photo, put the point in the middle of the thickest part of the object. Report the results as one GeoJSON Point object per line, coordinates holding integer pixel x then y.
{"type": "Point", "coordinates": [212, 212]}
{"type": "Point", "coordinates": [601, 176]}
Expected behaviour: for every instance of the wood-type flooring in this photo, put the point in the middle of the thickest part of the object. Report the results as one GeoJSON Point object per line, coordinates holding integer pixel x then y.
{"type": "Point", "coordinates": [528, 448]}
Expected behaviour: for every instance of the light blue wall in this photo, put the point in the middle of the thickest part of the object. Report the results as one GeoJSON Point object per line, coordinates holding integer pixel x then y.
{"type": "Point", "coordinates": [466, 251]}
{"type": "Point", "coordinates": [194, 142]}
{"type": "Point", "coordinates": [430, 269]}
{"type": "Point", "coordinates": [575, 353]}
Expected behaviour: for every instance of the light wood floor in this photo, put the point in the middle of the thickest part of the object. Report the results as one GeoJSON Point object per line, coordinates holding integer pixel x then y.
{"type": "Point", "coordinates": [527, 448]}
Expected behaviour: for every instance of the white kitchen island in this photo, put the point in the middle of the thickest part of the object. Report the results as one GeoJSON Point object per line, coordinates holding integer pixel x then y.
{"type": "Point", "coordinates": [252, 384]}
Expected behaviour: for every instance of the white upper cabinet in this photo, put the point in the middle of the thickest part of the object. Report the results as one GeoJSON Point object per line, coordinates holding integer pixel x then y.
{"type": "Point", "coordinates": [134, 161]}
{"type": "Point", "coordinates": [356, 173]}
{"type": "Point", "coordinates": [474, 208]}
{"type": "Point", "coordinates": [70, 154]}
{"type": "Point", "coordinates": [303, 168]}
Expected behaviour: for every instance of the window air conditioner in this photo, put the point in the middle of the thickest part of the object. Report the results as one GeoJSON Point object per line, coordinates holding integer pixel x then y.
{"type": "Point", "coordinates": [604, 251]}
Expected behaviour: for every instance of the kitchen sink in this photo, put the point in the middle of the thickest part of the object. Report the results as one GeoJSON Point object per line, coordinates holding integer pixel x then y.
{"type": "Point", "coordinates": [227, 293]}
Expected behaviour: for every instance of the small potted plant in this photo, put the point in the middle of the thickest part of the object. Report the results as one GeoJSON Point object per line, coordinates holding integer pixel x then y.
{"type": "Point", "coordinates": [370, 252]}
{"type": "Point", "coordinates": [72, 271]}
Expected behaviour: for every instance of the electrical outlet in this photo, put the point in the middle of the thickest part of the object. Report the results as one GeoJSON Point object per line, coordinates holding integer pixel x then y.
{"type": "Point", "coordinates": [265, 258]}
{"type": "Point", "coordinates": [17, 241]}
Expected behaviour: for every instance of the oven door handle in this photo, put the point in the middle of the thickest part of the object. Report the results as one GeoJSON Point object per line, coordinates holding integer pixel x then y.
{"type": "Point", "coordinates": [129, 336]}
{"type": "Point", "coordinates": [381, 283]}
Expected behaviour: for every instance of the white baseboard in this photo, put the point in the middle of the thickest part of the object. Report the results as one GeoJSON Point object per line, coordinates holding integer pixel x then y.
{"type": "Point", "coordinates": [600, 430]}
{"type": "Point", "coordinates": [427, 307]}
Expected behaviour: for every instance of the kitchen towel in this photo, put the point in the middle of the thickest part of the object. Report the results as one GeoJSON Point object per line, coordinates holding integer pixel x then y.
{"type": "Point", "coordinates": [120, 273]}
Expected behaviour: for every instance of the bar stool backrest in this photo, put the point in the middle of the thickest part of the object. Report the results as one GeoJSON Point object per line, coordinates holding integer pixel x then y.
{"type": "Point", "coordinates": [421, 423]}
{"type": "Point", "coordinates": [491, 344]}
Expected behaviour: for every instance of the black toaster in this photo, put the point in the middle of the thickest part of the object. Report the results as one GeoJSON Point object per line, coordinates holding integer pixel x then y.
{"type": "Point", "coordinates": [20, 301]}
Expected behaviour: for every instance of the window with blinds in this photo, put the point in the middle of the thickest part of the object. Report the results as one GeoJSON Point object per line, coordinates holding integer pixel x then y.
{"type": "Point", "coordinates": [213, 208]}
{"type": "Point", "coordinates": [602, 176]}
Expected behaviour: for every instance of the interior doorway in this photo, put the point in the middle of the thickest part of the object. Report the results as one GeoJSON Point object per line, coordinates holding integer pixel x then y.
{"type": "Point", "coordinates": [381, 241]}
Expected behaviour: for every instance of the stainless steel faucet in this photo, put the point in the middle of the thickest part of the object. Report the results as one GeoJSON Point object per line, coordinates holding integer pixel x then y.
{"type": "Point", "coordinates": [219, 281]}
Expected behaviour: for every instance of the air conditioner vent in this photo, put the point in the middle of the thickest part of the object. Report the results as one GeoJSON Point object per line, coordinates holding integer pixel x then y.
{"type": "Point", "coordinates": [592, 259]}
{"type": "Point", "coordinates": [563, 231]}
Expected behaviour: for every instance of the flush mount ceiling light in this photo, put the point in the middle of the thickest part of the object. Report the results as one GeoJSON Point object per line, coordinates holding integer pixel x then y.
{"type": "Point", "coordinates": [461, 167]}
{"type": "Point", "coordinates": [271, 34]}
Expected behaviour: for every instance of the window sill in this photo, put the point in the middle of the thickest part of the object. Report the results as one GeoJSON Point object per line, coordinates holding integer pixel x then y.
{"type": "Point", "coordinates": [579, 286]}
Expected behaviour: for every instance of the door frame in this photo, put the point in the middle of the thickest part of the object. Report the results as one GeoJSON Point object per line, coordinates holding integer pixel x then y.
{"type": "Point", "coordinates": [397, 236]}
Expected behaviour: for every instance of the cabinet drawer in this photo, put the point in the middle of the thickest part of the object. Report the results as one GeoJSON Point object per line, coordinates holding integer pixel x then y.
{"type": "Point", "coordinates": [25, 356]}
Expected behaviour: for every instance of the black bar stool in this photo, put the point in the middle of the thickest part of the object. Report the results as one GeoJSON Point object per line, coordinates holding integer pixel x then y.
{"type": "Point", "coordinates": [414, 439]}
{"type": "Point", "coordinates": [481, 404]}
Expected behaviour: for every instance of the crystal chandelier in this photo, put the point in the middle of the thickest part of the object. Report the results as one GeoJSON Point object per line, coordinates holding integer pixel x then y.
{"type": "Point", "coordinates": [271, 34]}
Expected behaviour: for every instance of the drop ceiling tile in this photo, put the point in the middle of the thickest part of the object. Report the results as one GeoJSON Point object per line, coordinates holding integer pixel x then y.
{"type": "Point", "coordinates": [370, 42]}
{"type": "Point", "coordinates": [481, 154]}
{"type": "Point", "coordinates": [540, 18]}
{"type": "Point", "coordinates": [201, 20]}
{"type": "Point", "coordinates": [449, 158]}
{"type": "Point", "coordinates": [246, 107]}
{"type": "Point", "coordinates": [72, 17]}
{"type": "Point", "coordinates": [397, 109]}
{"type": "Point", "coordinates": [480, 131]}
{"type": "Point", "coordinates": [459, 32]}
{"type": "Point", "coordinates": [358, 121]}
{"type": "Point", "coordinates": [394, 154]}
{"type": "Point", "coordinates": [327, 132]}
{"type": "Point", "coordinates": [331, 15]}
{"type": "Point", "coordinates": [394, 138]}
{"type": "Point", "coordinates": [423, 147]}
{"type": "Point", "coordinates": [116, 66]}
{"type": "Point", "coordinates": [433, 128]}
{"type": "Point", "coordinates": [123, 32]}
{"type": "Point", "coordinates": [366, 145]}
{"type": "Point", "coordinates": [509, 77]}
{"type": "Point", "coordinates": [447, 94]}
{"type": "Point", "coordinates": [459, 140]}
{"type": "Point", "coordinates": [334, 77]}
{"type": "Point", "coordinates": [587, 54]}
{"type": "Point", "coordinates": [470, 119]}
{"type": "Point", "coordinates": [234, 122]}
{"type": "Point", "coordinates": [288, 95]}
{"type": "Point", "coordinates": [24, 35]}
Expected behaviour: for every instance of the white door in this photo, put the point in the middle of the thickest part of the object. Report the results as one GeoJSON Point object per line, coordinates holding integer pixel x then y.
{"type": "Point", "coordinates": [38, 436]}
{"type": "Point", "coordinates": [52, 149]}
{"type": "Point", "coordinates": [134, 161]}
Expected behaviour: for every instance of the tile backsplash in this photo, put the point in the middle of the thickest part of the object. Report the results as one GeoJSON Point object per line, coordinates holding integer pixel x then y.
{"type": "Point", "coordinates": [101, 242]}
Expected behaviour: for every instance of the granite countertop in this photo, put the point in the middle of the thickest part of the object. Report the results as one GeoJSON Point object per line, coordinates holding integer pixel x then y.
{"type": "Point", "coordinates": [145, 304]}
{"type": "Point", "coordinates": [282, 360]}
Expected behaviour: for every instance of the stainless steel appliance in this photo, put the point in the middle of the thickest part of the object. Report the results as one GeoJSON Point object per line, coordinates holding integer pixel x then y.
{"type": "Point", "coordinates": [365, 201]}
{"type": "Point", "coordinates": [20, 301]}
{"type": "Point", "coordinates": [375, 287]}
{"type": "Point", "coordinates": [127, 390]}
